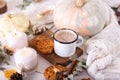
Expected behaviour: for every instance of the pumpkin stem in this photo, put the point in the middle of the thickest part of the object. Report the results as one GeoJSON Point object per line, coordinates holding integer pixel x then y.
{"type": "Point", "coordinates": [80, 3]}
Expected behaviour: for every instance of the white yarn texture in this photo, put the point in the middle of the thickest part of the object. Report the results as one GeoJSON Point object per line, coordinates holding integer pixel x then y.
{"type": "Point", "coordinates": [103, 50]}
{"type": "Point", "coordinates": [112, 3]}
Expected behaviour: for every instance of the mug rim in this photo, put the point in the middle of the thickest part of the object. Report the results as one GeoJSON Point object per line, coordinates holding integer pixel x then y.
{"type": "Point", "coordinates": [65, 42]}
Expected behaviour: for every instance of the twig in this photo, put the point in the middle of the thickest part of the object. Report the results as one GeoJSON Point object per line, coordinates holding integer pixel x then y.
{"type": "Point", "coordinates": [72, 67]}
{"type": "Point", "coordinates": [38, 72]}
{"type": "Point", "coordinates": [48, 23]}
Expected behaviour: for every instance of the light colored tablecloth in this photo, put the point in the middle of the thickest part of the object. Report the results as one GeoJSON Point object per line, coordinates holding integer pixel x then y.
{"type": "Point", "coordinates": [32, 10]}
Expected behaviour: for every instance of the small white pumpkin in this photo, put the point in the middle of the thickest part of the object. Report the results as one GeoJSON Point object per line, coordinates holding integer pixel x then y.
{"type": "Point", "coordinates": [86, 17]}
{"type": "Point", "coordinates": [10, 22]}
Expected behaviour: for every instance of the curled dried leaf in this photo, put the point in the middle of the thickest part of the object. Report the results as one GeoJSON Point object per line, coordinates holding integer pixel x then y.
{"type": "Point", "coordinates": [46, 12]}
{"type": "Point", "coordinates": [38, 29]}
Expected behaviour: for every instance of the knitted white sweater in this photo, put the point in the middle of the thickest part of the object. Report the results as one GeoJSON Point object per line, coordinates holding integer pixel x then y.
{"type": "Point", "coordinates": [103, 50]}
{"type": "Point", "coordinates": [112, 3]}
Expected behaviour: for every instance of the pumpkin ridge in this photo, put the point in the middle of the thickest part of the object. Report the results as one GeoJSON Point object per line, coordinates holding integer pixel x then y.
{"type": "Point", "coordinates": [88, 20]}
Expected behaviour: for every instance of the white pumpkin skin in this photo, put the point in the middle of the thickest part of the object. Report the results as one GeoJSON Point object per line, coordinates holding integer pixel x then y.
{"type": "Point", "coordinates": [86, 20]}
{"type": "Point", "coordinates": [11, 22]}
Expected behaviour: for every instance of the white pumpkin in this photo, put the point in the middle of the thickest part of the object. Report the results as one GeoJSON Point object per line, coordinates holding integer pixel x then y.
{"type": "Point", "coordinates": [10, 22]}
{"type": "Point", "coordinates": [86, 17]}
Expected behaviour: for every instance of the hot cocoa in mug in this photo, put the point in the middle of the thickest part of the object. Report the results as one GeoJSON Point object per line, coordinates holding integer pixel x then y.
{"type": "Point", "coordinates": [66, 41]}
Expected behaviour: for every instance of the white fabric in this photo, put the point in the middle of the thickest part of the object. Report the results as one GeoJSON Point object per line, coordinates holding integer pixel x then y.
{"type": "Point", "coordinates": [103, 51]}
{"type": "Point", "coordinates": [32, 10]}
{"type": "Point", "coordinates": [112, 3]}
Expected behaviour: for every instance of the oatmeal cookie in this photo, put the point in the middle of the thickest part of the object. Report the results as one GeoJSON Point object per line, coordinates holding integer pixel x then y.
{"type": "Point", "coordinates": [43, 44]}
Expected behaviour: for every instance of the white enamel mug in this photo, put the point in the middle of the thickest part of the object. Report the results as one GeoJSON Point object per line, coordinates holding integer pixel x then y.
{"type": "Point", "coordinates": [66, 41]}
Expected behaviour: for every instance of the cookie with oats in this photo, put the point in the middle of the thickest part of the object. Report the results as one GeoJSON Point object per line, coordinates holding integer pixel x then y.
{"type": "Point", "coordinates": [43, 44]}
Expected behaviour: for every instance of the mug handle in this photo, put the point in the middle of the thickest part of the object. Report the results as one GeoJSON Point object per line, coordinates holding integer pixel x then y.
{"type": "Point", "coordinates": [79, 41]}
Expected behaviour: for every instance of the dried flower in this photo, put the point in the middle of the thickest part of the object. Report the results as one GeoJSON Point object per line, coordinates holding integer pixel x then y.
{"type": "Point", "coordinates": [16, 76]}
{"type": "Point", "coordinates": [8, 73]}
{"type": "Point", "coordinates": [38, 29]}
